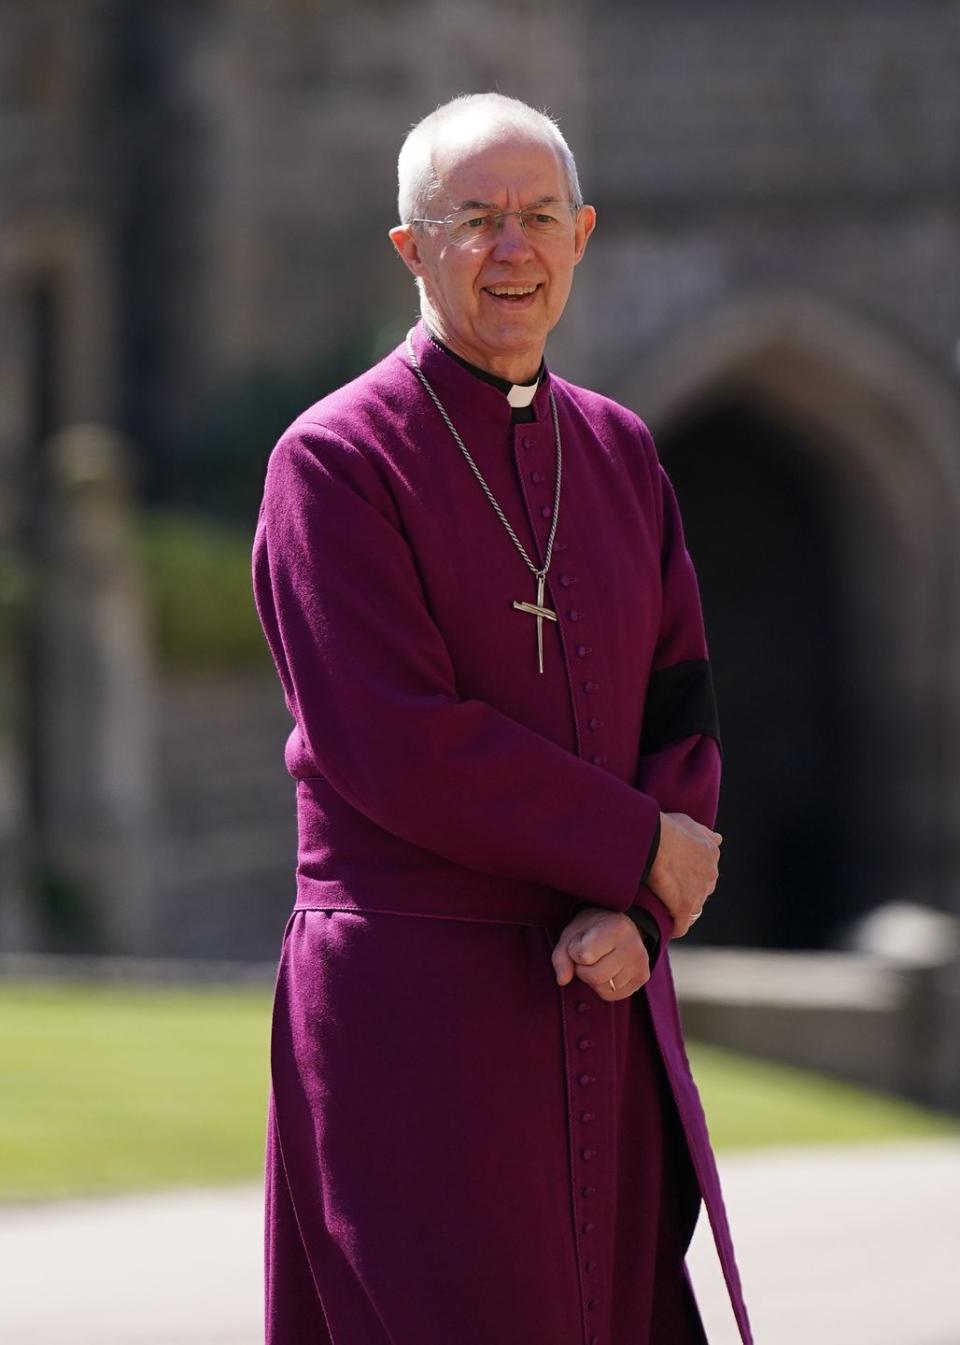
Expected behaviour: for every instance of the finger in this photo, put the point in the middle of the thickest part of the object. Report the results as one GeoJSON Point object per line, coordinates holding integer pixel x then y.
{"type": "Point", "coordinates": [626, 984]}
{"type": "Point", "coordinates": [683, 924]}
{"type": "Point", "coordinates": [613, 966]}
{"type": "Point", "coordinates": [590, 944]}
{"type": "Point", "coordinates": [563, 965]}
{"type": "Point", "coordinates": [619, 985]}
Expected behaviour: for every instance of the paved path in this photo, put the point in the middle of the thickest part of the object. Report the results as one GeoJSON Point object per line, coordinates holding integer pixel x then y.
{"type": "Point", "coordinates": [837, 1247]}
{"type": "Point", "coordinates": [845, 1246]}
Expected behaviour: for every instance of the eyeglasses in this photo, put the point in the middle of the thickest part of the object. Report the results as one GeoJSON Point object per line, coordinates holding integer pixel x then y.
{"type": "Point", "coordinates": [545, 220]}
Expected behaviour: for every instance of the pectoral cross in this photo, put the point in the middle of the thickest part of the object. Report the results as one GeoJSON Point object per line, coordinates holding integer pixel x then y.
{"type": "Point", "coordinates": [538, 610]}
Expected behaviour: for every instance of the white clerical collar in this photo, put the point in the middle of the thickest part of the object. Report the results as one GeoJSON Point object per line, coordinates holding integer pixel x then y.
{"type": "Point", "coordinates": [522, 394]}
{"type": "Point", "coordinates": [517, 394]}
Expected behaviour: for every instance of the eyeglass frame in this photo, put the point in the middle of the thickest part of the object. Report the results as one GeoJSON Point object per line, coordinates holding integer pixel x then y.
{"type": "Point", "coordinates": [500, 215]}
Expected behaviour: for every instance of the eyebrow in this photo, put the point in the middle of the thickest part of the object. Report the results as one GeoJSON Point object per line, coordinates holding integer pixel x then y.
{"type": "Point", "coordinates": [489, 205]}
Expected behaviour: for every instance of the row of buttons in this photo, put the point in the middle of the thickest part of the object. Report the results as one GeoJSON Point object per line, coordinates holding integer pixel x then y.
{"type": "Point", "coordinates": [587, 1152]}
{"type": "Point", "coordinates": [587, 1155]}
{"type": "Point", "coordinates": [574, 614]}
{"type": "Point", "coordinates": [593, 724]}
{"type": "Point", "coordinates": [538, 477]}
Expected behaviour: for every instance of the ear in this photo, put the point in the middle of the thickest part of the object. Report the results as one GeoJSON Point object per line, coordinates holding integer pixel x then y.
{"type": "Point", "coordinates": [586, 223]}
{"type": "Point", "coordinates": [404, 239]}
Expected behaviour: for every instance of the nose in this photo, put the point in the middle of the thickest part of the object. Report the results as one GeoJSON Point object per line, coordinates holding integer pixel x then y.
{"type": "Point", "coordinates": [512, 240]}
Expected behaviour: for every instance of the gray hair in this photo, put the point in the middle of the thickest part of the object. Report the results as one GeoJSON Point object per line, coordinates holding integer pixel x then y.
{"type": "Point", "coordinates": [417, 179]}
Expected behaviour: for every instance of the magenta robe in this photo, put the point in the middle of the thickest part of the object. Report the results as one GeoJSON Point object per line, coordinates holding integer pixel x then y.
{"type": "Point", "coordinates": [460, 1152]}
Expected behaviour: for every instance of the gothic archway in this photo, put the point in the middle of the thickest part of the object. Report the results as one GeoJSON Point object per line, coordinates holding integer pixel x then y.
{"type": "Point", "coordinates": [817, 468]}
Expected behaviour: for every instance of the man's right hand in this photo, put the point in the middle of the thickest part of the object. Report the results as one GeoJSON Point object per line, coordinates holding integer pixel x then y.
{"type": "Point", "coordinates": [685, 870]}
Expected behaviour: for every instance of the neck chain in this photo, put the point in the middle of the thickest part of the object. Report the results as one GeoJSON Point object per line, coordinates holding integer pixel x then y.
{"type": "Point", "coordinates": [537, 609]}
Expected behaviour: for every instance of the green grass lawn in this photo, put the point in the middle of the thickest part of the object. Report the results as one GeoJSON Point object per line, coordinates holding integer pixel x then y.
{"type": "Point", "coordinates": [118, 1088]}
{"type": "Point", "coordinates": [112, 1089]}
{"type": "Point", "coordinates": [751, 1104]}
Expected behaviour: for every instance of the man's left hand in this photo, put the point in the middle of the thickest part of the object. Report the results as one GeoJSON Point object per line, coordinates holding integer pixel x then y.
{"type": "Point", "coordinates": [599, 946]}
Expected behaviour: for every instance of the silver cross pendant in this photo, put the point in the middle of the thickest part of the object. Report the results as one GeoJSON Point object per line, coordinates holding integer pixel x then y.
{"type": "Point", "coordinates": [542, 613]}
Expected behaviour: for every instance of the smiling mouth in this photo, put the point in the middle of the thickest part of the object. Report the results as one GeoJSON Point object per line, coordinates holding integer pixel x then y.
{"type": "Point", "coordinates": [511, 294]}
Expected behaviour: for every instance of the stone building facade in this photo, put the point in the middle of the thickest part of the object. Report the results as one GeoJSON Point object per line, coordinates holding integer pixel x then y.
{"type": "Point", "coordinates": [196, 191]}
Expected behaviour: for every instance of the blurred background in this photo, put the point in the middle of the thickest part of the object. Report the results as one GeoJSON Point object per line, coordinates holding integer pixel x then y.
{"type": "Point", "coordinates": [194, 199]}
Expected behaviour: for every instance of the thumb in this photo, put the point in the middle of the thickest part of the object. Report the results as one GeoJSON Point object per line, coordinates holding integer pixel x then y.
{"type": "Point", "coordinates": [563, 965]}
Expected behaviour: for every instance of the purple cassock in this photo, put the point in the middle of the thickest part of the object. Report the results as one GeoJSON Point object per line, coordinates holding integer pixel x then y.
{"type": "Point", "coordinates": [460, 1152]}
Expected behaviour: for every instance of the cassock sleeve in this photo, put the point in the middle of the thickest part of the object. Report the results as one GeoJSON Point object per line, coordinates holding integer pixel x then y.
{"type": "Point", "coordinates": [370, 684]}
{"type": "Point", "coordinates": [680, 751]}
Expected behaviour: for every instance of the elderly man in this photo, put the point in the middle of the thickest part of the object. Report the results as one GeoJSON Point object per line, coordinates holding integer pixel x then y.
{"type": "Point", "coordinates": [473, 580]}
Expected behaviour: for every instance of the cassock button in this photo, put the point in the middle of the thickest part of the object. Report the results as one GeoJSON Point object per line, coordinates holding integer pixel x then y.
{"type": "Point", "coordinates": [546, 511]}
{"type": "Point", "coordinates": [594, 1340]}
{"type": "Point", "coordinates": [585, 1080]}
{"type": "Point", "coordinates": [594, 723]}
{"type": "Point", "coordinates": [536, 477]}
{"type": "Point", "coordinates": [567, 579]}
{"type": "Point", "coordinates": [593, 1303]}
{"type": "Point", "coordinates": [590, 1266]}
{"type": "Point", "coordinates": [581, 1006]}
{"type": "Point", "coordinates": [584, 1043]}
{"type": "Point", "coordinates": [587, 1228]}
{"type": "Point", "coordinates": [583, 650]}
{"type": "Point", "coordinates": [527, 441]}
{"type": "Point", "coordinates": [587, 1154]}
{"type": "Point", "coordinates": [599, 761]}
{"type": "Point", "coordinates": [590, 686]}
{"type": "Point", "coordinates": [588, 1191]}
{"type": "Point", "coordinates": [573, 614]}
{"type": "Point", "coordinates": [586, 1117]}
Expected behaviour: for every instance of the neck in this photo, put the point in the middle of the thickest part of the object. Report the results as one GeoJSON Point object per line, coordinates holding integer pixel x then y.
{"type": "Point", "coordinates": [520, 367]}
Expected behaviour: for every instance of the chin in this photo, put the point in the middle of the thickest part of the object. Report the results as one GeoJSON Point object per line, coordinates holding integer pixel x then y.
{"type": "Point", "coordinates": [518, 334]}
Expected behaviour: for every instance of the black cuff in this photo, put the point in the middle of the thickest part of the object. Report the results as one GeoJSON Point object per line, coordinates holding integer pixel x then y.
{"type": "Point", "coordinates": [652, 856]}
{"type": "Point", "coordinates": [649, 931]}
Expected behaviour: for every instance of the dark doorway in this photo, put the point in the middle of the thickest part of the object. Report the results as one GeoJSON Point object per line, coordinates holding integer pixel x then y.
{"type": "Point", "coordinates": [761, 527]}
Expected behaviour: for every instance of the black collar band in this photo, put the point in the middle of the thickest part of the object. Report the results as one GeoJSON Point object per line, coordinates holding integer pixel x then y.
{"type": "Point", "coordinates": [502, 383]}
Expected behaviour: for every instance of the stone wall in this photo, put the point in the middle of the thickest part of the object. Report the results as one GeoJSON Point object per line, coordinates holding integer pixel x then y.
{"type": "Point", "coordinates": [224, 855]}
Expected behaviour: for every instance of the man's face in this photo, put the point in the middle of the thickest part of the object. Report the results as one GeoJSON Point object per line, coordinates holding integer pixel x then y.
{"type": "Point", "coordinates": [463, 282]}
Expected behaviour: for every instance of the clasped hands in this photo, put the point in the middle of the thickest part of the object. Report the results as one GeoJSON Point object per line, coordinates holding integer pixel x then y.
{"type": "Point", "coordinates": [600, 946]}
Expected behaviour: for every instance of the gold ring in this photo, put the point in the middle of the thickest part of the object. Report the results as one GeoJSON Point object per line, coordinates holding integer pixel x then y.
{"type": "Point", "coordinates": [611, 985]}
{"type": "Point", "coordinates": [696, 915]}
